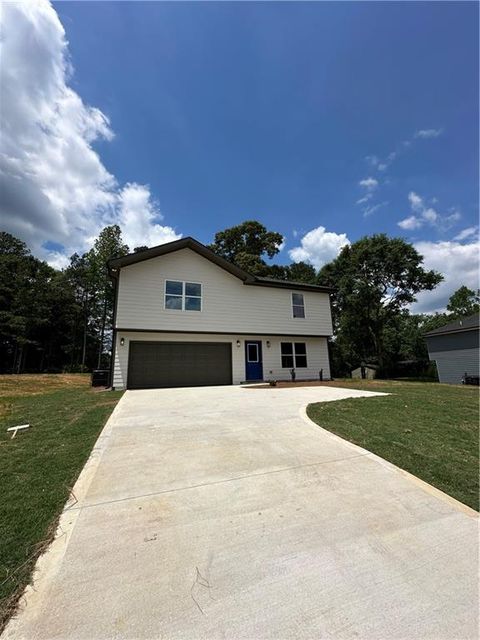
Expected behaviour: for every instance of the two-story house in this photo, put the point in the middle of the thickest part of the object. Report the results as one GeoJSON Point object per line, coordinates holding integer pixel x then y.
{"type": "Point", "coordinates": [184, 316]}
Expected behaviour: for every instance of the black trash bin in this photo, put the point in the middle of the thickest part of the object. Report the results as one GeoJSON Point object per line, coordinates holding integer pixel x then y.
{"type": "Point", "coordinates": [100, 377]}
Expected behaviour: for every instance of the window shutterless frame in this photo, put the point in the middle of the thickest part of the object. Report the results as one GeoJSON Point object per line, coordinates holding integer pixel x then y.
{"type": "Point", "coordinates": [183, 295]}
{"type": "Point", "coordinates": [298, 305]}
{"type": "Point", "coordinates": [293, 354]}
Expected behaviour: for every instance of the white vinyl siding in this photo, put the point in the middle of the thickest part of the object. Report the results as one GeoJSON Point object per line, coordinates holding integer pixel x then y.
{"type": "Point", "coordinates": [227, 304]}
{"type": "Point", "coordinates": [317, 354]}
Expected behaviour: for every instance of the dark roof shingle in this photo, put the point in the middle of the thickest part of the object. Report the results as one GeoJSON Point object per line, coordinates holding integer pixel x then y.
{"type": "Point", "coordinates": [460, 324]}
{"type": "Point", "coordinates": [190, 243]}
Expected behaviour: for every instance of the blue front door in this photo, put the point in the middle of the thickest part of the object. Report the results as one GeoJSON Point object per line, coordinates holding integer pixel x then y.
{"type": "Point", "coordinates": [253, 360]}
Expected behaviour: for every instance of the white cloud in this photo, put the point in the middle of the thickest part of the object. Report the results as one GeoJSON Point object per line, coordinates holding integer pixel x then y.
{"type": "Point", "coordinates": [368, 211]}
{"type": "Point", "coordinates": [370, 184]}
{"type": "Point", "coordinates": [449, 221]}
{"type": "Point", "coordinates": [318, 247]}
{"type": "Point", "coordinates": [139, 217]}
{"type": "Point", "coordinates": [466, 233]}
{"type": "Point", "coordinates": [372, 160]}
{"type": "Point", "coordinates": [416, 201]}
{"type": "Point", "coordinates": [56, 259]}
{"type": "Point", "coordinates": [365, 198]}
{"type": "Point", "coordinates": [428, 133]}
{"type": "Point", "coordinates": [459, 264]}
{"type": "Point", "coordinates": [410, 223]}
{"type": "Point", "coordinates": [53, 184]}
{"type": "Point", "coordinates": [427, 215]}
{"type": "Point", "coordinates": [430, 215]}
{"type": "Point", "coordinates": [383, 165]}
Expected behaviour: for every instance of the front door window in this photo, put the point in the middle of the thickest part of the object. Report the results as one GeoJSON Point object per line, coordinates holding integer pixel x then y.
{"type": "Point", "coordinates": [252, 352]}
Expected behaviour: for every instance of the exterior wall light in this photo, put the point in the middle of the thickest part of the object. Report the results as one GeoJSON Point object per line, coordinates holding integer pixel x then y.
{"type": "Point", "coordinates": [238, 343]}
{"type": "Point", "coordinates": [268, 344]}
{"type": "Point", "coordinates": [122, 341]}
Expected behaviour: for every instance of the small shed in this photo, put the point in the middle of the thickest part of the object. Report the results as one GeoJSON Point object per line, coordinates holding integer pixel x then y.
{"type": "Point", "coordinates": [365, 372]}
{"type": "Point", "coordinates": [454, 347]}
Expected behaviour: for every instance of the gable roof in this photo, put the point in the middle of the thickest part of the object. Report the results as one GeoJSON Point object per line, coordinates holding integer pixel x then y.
{"type": "Point", "coordinates": [460, 324]}
{"type": "Point", "coordinates": [115, 264]}
{"type": "Point", "coordinates": [374, 367]}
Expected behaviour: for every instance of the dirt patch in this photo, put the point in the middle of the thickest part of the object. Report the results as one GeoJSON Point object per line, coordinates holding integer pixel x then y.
{"type": "Point", "coordinates": [300, 383]}
{"type": "Point", "coordinates": [380, 385]}
{"type": "Point", "coordinates": [349, 383]}
{"type": "Point", "coordinates": [5, 409]}
{"type": "Point", "coordinates": [31, 384]}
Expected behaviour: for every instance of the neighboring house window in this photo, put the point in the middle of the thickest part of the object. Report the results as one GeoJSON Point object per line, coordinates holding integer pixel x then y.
{"type": "Point", "coordinates": [183, 296]}
{"type": "Point", "coordinates": [294, 355]}
{"type": "Point", "coordinates": [298, 306]}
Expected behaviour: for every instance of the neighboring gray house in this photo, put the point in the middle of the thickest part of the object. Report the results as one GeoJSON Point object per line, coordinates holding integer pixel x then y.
{"type": "Point", "coordinates": [186, 317]}
{"type": "Point", "coordinates": [454, 347]}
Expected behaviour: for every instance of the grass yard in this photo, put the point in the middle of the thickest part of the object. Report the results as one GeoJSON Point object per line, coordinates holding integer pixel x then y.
{"type": "Point", "coordinates": [40, 465]}
{"type": "Point", "coordinates": [428, 429]}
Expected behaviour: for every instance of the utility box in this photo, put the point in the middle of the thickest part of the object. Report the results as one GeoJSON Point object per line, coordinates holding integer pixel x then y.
{"type": "Point", "coordinates": [100, 377]}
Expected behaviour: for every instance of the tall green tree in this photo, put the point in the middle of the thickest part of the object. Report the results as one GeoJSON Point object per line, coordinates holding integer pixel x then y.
{"type": "Point", "coordinates": [376, 278]}
{"type": "Point", "coordinates": [81, 278]}
{"type": "Point", "coordinates": [94, 293]}
{"type": "Point", "coordinates": [301, 272]}
{"type": "Point", "coordinates": [464, 302]}
{"type": "Point", "coordinates": [35, 310]}
{"type": "Point", "coordinates": [246, 245]}
{"type": "Point", "coordinates": [109, 244]}
{"type": "Point", "coordinates": [249, 243]}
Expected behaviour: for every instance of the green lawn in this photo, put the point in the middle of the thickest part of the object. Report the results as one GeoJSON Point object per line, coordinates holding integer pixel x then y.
{"type": "Point", "coordinates": [41, 464]}
{"type": "Point", "coordinates": [428, 429]}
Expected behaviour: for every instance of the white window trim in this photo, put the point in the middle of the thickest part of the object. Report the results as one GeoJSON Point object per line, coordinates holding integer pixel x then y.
{"type": "Point", "coordinates": [183, 296]}
{"type": "Point", "coordinates": [257, 346]}
{"type": "Point", "coordinates": [297, 305]}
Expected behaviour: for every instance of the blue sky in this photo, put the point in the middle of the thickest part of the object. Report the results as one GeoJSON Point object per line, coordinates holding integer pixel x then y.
{"type": "Point", "coordinates": [354, 118]}
{"type": "Point", "coordinates": [268, 111]}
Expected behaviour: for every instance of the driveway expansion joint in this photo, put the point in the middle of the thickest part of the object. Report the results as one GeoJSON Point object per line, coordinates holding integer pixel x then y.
{"type": "Point", "coordinates": [216, 482]}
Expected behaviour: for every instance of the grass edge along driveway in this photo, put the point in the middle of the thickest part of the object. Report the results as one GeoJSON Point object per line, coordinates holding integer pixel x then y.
{"type": "Point", "coordinates": [427, 429]}
{"type": "Point", "coordinates": [40, 465]}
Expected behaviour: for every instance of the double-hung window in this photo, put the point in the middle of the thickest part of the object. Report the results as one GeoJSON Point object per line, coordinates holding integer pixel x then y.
{"type": "Point", "coordinates": [294, 355]}
{"type": "Point", "coordinates": [298, 305]}
{"type": "Point", "coordinates": [183, 296]}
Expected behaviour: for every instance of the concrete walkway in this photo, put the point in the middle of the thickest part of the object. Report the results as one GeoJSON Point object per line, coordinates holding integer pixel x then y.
{"type": "Point", "coordinates": [223, 513]}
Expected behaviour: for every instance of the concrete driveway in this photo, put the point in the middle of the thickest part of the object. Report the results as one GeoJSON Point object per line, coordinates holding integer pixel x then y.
{"type": "Point", "coordinates": [223, 513]}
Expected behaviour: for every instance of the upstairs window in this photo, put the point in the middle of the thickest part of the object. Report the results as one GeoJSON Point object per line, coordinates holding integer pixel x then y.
{"type": "Point", "coordinates": [294, 355]}
{"type": "Point", "coordinates": [298, 305]}
{"type": "Point", "coordinates": [183, 296]}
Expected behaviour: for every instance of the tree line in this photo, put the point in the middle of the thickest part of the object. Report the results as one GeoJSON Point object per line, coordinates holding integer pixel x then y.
{"type": "Point", "coordinates": [60, 320]}
{"type": "Point", "coordinates": [56, 320]}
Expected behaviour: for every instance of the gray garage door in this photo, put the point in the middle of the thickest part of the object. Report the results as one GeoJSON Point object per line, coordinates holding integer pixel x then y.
{"type": "Point", "coordinates": [179, 364]}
